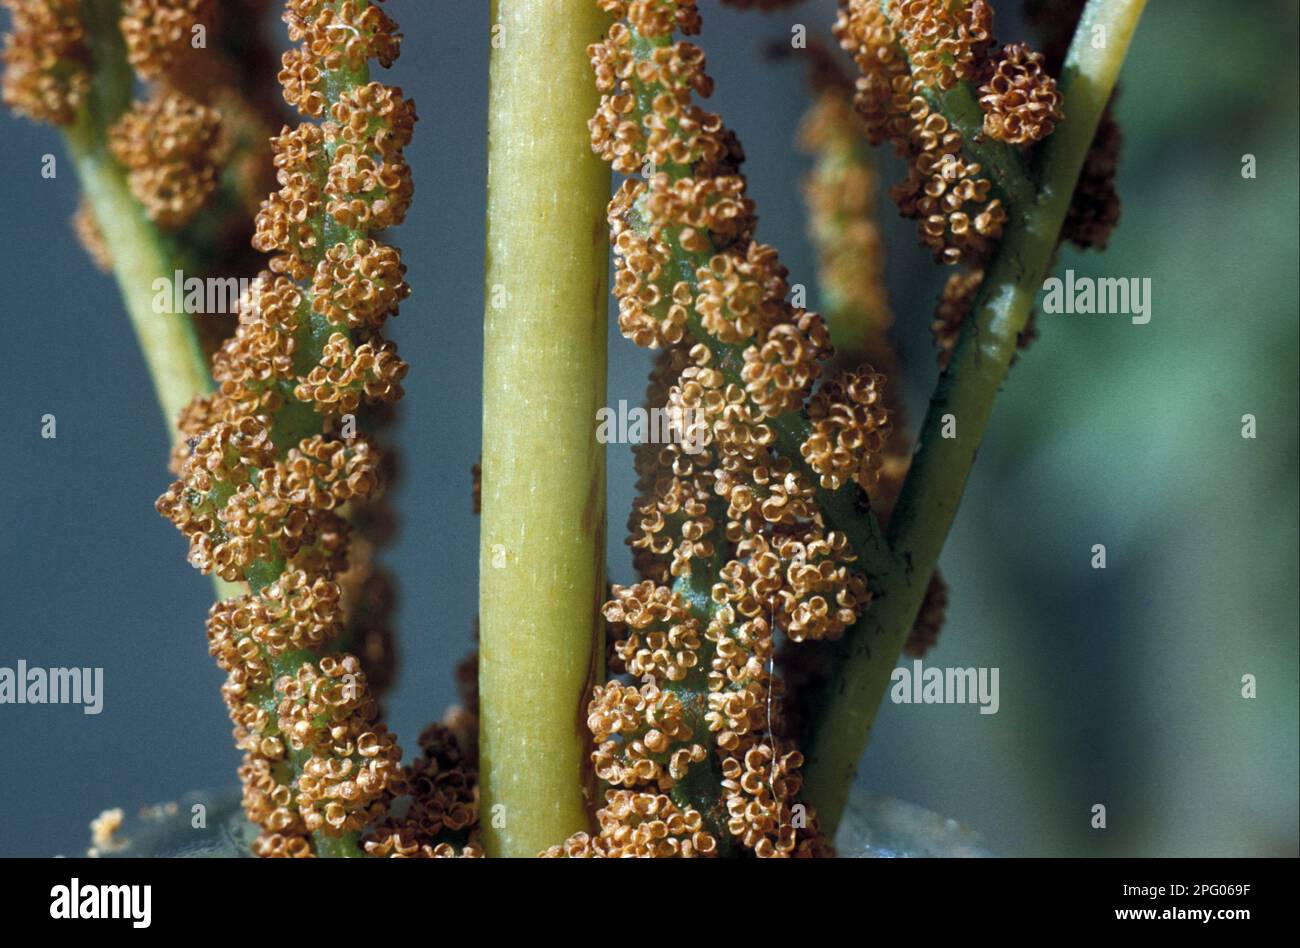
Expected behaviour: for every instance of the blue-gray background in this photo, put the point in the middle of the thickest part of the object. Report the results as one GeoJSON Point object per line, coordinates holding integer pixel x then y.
{"type": "Point", "coordinates": [1118, 687]}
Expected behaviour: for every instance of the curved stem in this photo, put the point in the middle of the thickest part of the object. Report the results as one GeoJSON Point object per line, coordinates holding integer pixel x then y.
{"type": "Point", "coordinates": [141, 253]}
{"type": "Point", "coordinates": [542, 550]}
{"type": "Point", "coordinates": [966, 391]}
{"type": "Point", "coordinates": [171, 349]}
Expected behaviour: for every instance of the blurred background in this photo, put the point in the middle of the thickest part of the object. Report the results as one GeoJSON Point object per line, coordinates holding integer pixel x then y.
{"type": "Point", "coordinates": [1119, 686]}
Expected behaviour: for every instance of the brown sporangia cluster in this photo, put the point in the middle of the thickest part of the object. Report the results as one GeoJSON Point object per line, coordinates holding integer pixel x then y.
{"type": "Point", "coordinates": [645, 825]}
{"type": "Point", "coordinates": [205, 85]}
{"type": "Point", "coordinates": [157, 31]}
{"type": "Point", "coordinates": [851, 429]}
{"type": "Point", "coordinates": [211, 53]}
{"type": "Point", "coordinates": [1094, 207]}
{"type": "Point", "coordinates": [172, 142]}
{"type": "Point", "coordinates": [442, 786]}
{"type": "Point", "coordinates": [727, 533]}
{"type": "Point", "coordinates": [946, 41]}
{"type": "Point", "coordinates": [47, 60]}
{"type": "Point", "coordinates": [197, 118]}
{"type": "Point", "coordinates": [170, 146]}
{"type": "Point", "coordinates": [909, 51]}
{"type": "Point", "coordinates": [929, 620]}
{"type": "Point", "coordinates": [271, 464]}
{"type": "Point", "coordinates": [1019, 99]}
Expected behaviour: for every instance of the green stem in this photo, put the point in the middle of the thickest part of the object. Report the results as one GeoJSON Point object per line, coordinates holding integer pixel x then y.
{"type": "Point", "coordinates": [167, 340]}
{"type": "Point", "coordinates": [1003, 164]}
{"type": "Point", "coordinates": [701, 788]}
{"type": "Point", "coordinates": [542, 552]}
{"type": "Point", "coordinates": [140, 253]}
{"type": "Point", "coordinates": [966, 391]}
{"type": "Point", "coordinates": [297, 420]}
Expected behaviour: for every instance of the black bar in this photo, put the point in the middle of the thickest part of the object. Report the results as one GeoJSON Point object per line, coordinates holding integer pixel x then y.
{"type": "Point", "coordinates": [863, 899]}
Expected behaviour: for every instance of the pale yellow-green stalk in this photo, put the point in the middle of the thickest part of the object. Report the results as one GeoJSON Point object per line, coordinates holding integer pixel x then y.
{"type": "Point", "coordinates": [541, 556]}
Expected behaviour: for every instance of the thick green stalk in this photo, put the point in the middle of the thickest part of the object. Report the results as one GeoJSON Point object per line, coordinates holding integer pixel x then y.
{"type": "Point", "coordinates": [966, 391]}
{"type": "Point", "coordinates": [542, 551]}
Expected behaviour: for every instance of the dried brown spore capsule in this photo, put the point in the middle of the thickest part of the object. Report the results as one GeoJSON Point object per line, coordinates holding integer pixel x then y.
{"type": "Point", "coordinates": [333, 38]}
{"type": "Point", "coordinates": [946, 40]}
{"type": "Point", "coordinates": [652, 631]}
{"type": "Point", "coordinates": [47, 60]}
{"type": "Point", "coordinates": [929, 621]}
{"type": "Point", "coordinates": [1095, 207]}
{"type": "Point", "coordinates": [1019, 98]}
{"type": "Point", "coordinates": [170, 146]}
{"type": "Point", "coordinates": [851, 427]}
{"type": "Point", "coordinates": [641, 825]}
{"type": "Point", "coordinates": [442, 785]}
{"type": "Point", "coordinates": [159, 32]}
{"type": "Point", "coordinates": [910, 51]}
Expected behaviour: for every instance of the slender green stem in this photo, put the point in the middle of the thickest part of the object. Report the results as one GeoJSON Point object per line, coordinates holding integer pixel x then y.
{"type": "Point", "coordinates": [140, 253]}
{"type": "Point", "coordinates": [167, 340]}
{"type": "Point", "coordinates": [965, 392]}
{"type": "Point", "coordinates": [542, 550]}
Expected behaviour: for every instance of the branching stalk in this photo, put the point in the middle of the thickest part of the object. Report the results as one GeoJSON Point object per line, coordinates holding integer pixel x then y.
{"type": "Point", "coordinates": [965, 391]}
